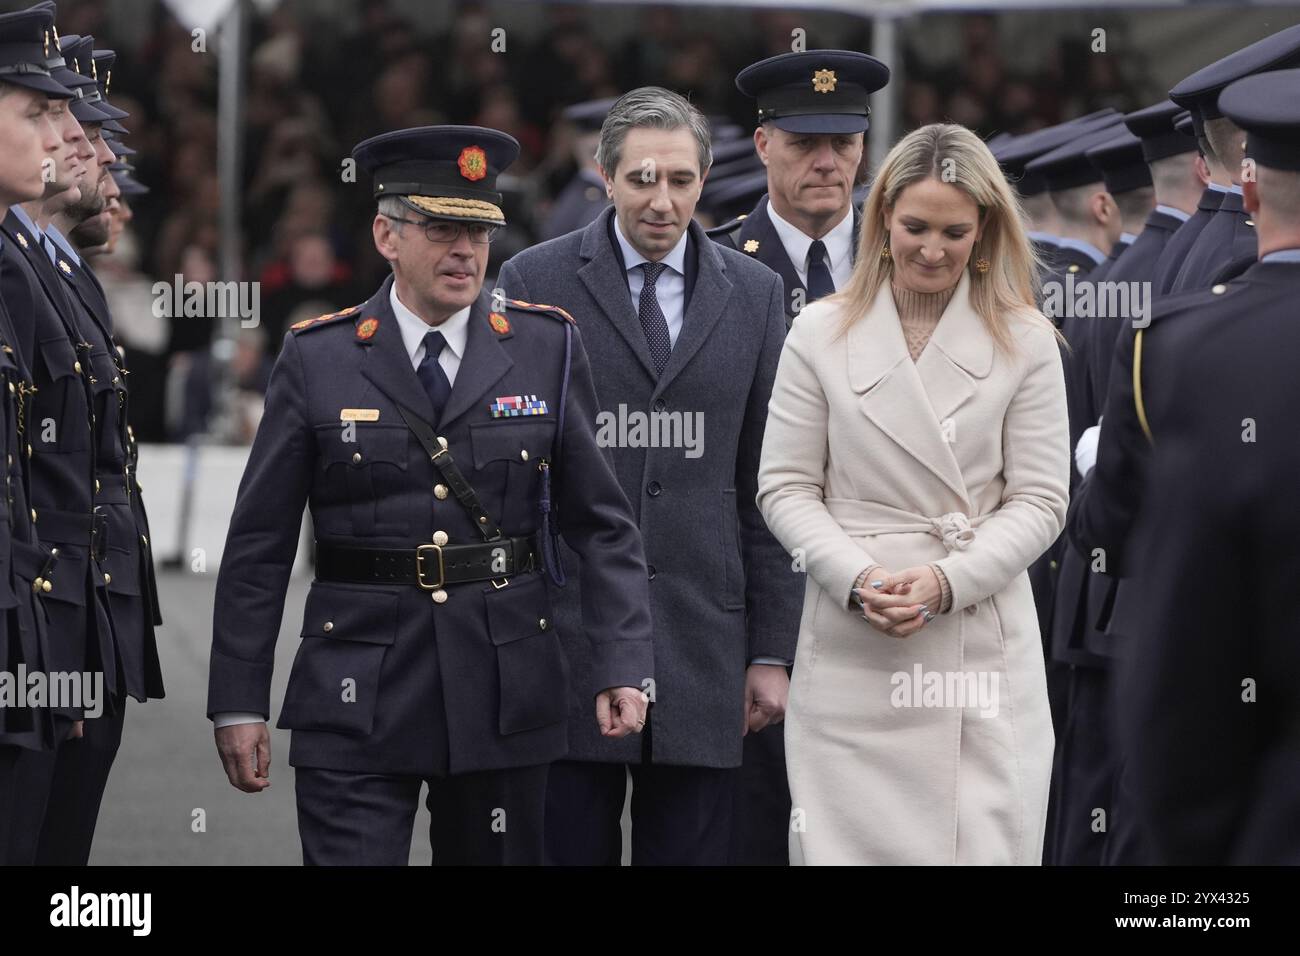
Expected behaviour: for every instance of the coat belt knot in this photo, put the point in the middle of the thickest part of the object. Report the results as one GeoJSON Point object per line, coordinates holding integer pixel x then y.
{"type": "Point", "coordinates": [954, 530]}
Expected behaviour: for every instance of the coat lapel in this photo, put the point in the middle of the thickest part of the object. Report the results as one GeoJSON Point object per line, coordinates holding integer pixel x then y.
{"type": "Point", "coordinates": [909, 401]}
{"type": "Point", "coordinates": [484, 363]}
{"type": "Point", "coordinates": [707, 304]}
{"type": "Point", "coordinates": [759, 240]}
{"type": "Point", "coordinates": [386, 363]}
{"type": "Point", "coordinates": [608, 287]}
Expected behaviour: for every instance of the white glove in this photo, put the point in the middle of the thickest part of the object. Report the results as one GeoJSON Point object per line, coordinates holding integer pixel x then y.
{"type": "Point", "coordinates": [1085, 453]}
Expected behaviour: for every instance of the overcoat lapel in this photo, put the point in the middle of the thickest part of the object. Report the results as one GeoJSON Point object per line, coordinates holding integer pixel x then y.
{"type": "Point", "coordinates": [911, 402]}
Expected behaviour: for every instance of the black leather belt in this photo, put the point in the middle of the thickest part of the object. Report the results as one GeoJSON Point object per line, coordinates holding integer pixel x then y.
{"type": "Point", "coordinates": [430, 566]}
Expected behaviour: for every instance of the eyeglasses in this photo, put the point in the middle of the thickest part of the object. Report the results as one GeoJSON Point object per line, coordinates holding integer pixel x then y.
{"type": "Point", "coordinates": [442, 230]}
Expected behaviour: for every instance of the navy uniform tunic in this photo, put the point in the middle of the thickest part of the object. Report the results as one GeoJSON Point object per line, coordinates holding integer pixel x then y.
{"type": "Point", "coordinates": [755, 236]}
{"type": "Point", "coordinates": [1215, 778]}
{"type": "Point", "coordinates": [1229, 236]}
{"type": "Point", "coordinates": [127, 563]}
{"type": "Point", "coordinates": [60, 434]}
{"type": "Point", "coordinates": [467, 677]}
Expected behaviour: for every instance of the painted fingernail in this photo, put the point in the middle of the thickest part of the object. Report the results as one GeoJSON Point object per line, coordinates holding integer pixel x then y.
{"type": "Point", "coordinates": [877, 584]}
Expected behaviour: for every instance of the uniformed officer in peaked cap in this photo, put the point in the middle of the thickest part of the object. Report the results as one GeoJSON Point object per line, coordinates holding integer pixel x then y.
{"type": "Point", "coordinates": [1200, 462]}
{"type": "Point", "coordinates": [26, 81]}
{"type": "Point", "coordinates": [1015, 152]}
{"type": "Point", "coordinates": [1229, 236]}
{"type": "Point", "coordinates": [442, 436]}
{"type": "Point", "coordinates": [812, 111]}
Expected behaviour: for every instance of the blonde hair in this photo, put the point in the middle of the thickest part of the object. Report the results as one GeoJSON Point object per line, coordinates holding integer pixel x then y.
{"type": "Point", "coordinates": [952, 153]}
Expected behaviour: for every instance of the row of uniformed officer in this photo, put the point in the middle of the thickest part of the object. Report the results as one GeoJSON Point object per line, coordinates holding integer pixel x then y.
{"type": "Point", "coordinates": [1102, 618]}
{"type": "Point", "coordinates": [81, 539]}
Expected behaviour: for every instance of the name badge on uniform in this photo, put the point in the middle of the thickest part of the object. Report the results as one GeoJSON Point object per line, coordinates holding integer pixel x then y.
{"type": "Point", "coordinates": [512, 406]}
{"type": "Point", "coordinates": [358, 414]}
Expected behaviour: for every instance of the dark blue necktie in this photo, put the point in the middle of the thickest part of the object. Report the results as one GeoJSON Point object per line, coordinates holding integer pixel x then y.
{"type": "Point", "coordinates": [652, 317]}
{"type": "Point", "coordinates": [431, 375]}
{"type": "Point", "coordinates": [820, 282]}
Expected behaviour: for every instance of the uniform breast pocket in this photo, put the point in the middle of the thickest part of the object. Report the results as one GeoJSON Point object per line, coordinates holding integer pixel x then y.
{"type": "Point", "coordinates": [365, 465]}
{"type": "Point", "coordinates": [59, 419]}
{"type": "Point", "coordinates": [334, 684]}
{"type": "Point", "coordinates": [507, 453]}
{"type": "Point", "coordinates": [532, 673]}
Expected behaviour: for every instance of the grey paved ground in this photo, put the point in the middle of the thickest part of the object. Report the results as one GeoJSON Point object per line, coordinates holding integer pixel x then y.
{"type": "Point", "coordinates": [168, 767]}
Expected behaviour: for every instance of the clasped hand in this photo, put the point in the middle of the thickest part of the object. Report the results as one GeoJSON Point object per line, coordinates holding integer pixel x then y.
{"type": "Point", "coordinates": [897, 605]}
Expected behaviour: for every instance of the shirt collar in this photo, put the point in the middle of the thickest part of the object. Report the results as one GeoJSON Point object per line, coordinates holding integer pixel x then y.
{"type": "Point", "coordinates": [1234, 188]}
{"type": "Point", "coordinates": [1044, 237]}
{"type": "Point", "coordinates": [21, 214]}
{"type": "Point", "coordinates": [455, 329]}
{"type": "Point", "coordinates": [1087, 248]}
{"type": "Point", "coordinates": [1282, 255]}
{"type": "Point", "coordinates": [675, 260]}
{"type": "Point", "coordinates": [1127, 238]}
{"type": "Point", "coordinates": [63, 244]}
{"type": "Point", "coordinates": [838, 242]}
{"type": "Point", "coordinates": [1171, 211]}
{"type": "Point", "coordinates": [1217, 188]}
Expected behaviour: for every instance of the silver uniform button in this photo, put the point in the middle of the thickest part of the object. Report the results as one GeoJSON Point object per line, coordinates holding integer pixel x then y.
{"type": "Point", "coordinates": [440, 538]}
{"type": "Point", "coordinates": [440, 596]}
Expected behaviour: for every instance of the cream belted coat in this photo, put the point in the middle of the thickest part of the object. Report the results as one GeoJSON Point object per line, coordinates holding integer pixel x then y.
{"type": "Point", "coordinates": [935, 748]}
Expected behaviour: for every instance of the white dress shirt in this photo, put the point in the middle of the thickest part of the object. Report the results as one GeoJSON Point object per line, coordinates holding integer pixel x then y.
{"type": "Point", "coordinates": [413, 328]}
{"type": "Point", "coordinates": [839, 247]}
{"type": "Point", "coordinates": [670, 287]}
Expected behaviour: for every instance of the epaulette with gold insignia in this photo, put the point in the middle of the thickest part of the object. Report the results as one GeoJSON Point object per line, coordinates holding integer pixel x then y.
{"type": "Point", "coordinates": [725, 228]}
{"type": "Point", "coordinates": [552, 310]}
{"type": "Point", "coordinates": [299, 327]}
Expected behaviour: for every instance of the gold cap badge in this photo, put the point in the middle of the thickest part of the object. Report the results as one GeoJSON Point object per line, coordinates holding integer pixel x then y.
{"type": "Point", "coordinates": [824, 81]}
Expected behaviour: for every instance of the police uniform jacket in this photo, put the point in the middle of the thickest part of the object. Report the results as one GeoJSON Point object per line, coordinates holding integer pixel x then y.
{"type": "Point", "coordinates": [1176, 250]}
{"type": "Point", "coordinates": [127, 560]}
{"type": "Point", "coordinates": [756, 237]}
{"type": "Point", "coordinates": [61, 438]}
{"type": "Point", "coordinates": [1228, 237]}
{"type": "Point", "coordinates": [1215, 774]}
{"type": "Point", "coordinates": [475, 681]}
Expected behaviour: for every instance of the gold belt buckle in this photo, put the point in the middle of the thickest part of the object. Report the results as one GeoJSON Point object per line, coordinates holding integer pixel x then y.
{"type": "Point", "coordinates": [419, 566]}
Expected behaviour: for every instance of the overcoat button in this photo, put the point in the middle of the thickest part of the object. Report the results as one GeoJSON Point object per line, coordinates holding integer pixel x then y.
{"type": "Point", "coordinates": [440, 538]}
{"type": "Point", "coordinates": [356, 458]}
{"type": "Point", "coordinates": [440, 492]}
{"type": "Point", "coordinates": [440, 596]}
{"type": "Point", "coordinates": [329, 626]}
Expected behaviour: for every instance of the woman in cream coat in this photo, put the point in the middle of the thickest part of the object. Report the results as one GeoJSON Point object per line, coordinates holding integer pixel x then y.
{"type": "Point", "coordinates": [921, 468]}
